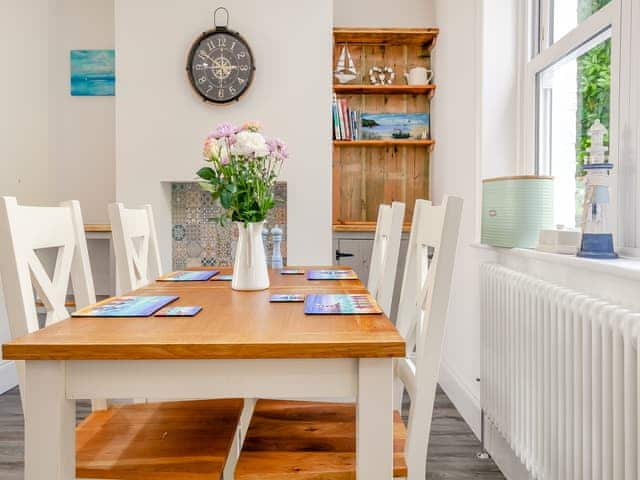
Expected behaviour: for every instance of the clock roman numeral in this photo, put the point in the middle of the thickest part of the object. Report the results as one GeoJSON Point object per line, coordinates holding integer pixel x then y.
{"type": "Point", "coordinates": [222, 41]}
{"type": "Point", "coordinates": [210, 45]}
{"type": "Point", "coordinates": [220, 93]}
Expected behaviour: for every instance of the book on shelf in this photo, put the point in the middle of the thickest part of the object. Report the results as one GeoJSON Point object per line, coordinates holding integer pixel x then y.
{"type": "Point", "coordinates": [345, 118]}
{"type": "Point", "coordinates": [346, 122]}
{"type": "Point", "coordinates": [336, 118]}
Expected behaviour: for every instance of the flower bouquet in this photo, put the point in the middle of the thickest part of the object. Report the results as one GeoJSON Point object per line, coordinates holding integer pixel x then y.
{"type": "Point", "coordinates": [242, 171]}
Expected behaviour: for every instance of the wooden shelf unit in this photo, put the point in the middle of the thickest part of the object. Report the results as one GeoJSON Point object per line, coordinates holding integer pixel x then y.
{"type": "Point", "coordinates": [350, 89]}
{"type": "Point", "coordinates": [423, 37]}
{"type": "Point", "coordinates": [384, 143]}
{"type": "Point", "coordinates": [367, 173]}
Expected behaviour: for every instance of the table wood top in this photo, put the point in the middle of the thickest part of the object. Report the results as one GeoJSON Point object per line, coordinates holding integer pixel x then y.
{"type": "Point", "coordinates": [232, 325]}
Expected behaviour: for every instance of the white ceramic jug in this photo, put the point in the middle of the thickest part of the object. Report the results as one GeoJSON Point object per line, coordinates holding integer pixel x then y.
{"type": "Point", "coordinates": [250, 266]}
{"type": "Point", "coordinates": [419, 76]}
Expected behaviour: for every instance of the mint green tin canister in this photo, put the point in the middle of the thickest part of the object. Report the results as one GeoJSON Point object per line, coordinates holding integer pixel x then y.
{"type": "Point", "coordinates": [515, 209]}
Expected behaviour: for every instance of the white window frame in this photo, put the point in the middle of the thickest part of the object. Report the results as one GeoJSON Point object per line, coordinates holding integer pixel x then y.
{"type": "Point", "coordinates": [538, 54]}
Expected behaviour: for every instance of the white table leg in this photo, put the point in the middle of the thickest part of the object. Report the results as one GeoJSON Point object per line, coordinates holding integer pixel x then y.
{"type": "Point", "coordinates": [49, 423]}
{"type": "Point", "coordinates": [374, 419]}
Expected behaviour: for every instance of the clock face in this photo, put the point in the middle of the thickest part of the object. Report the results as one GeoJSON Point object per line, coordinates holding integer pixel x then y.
{"type": "Point", "coordinates": [220, 66]}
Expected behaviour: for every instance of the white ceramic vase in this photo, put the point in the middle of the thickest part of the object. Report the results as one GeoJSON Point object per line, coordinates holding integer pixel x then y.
{"type": "Point", "coordinates": [250, 265]}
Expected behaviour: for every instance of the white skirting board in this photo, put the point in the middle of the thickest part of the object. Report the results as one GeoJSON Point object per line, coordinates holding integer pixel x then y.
{"type": "Point", "coordinates": [468, 405]}
{"type": "Point", "coordinates": [462, 398]}
{"type": "Point", "coordinates": [8, 376]}
{"type": "Point", "coordinates": [506, 460]}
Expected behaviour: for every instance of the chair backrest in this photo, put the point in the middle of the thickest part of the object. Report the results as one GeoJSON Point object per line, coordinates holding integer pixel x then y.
{"type": "Point", "coordinates": [384, 257]}
{"type": "Point", "coordinates": [422, 317]}
{"type": "Point", "coordinates": [25, 230]}
{"type": "Point", "coordinates": [135, 244]}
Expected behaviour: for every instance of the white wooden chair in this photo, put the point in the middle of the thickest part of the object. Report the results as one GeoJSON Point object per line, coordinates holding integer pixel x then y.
{"type": "Point", "coordinates": [198, 435]}
{"type": "Point", "coordinates": [384, 257]}
{"type": "Point", "coordinates": [135, 244]}
{"type": "Point", "coordinates": [289, 439]}
{"type": "Point", "coordinates": [24, 231]}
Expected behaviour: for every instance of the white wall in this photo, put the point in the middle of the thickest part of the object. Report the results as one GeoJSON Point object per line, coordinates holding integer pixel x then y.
{"type": "Point", "coordinates": [382, 13]}
{"type": "Point", "coordinates": [475, 121]}
{"type": "Point", "coordinates": [161, 123]}
{"type": "Point", "coordinates": [24, 132]}
{"type": "Point", "coordinates": [455, 170]}
{"type": "Point", "coordinates": [499, 88]}
{"type": "Point", "coordinates": [82, 129]}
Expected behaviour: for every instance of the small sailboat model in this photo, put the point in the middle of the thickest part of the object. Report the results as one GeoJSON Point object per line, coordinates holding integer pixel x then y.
{"type": "Point", "coordinates": [345, 69]}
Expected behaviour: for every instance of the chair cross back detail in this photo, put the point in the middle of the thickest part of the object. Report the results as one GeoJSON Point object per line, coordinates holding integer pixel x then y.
{"type": "Point", "coordinates": [384, 257]}
{"type": "Point", "coordinates": [135, 243]}
{"type": "Point", "coordinates": [422, 316]}
{"type": "Point", "coordinates": [25, 230]}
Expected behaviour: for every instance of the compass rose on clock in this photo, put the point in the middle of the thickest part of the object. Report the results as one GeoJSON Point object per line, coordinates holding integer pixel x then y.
{"type": "Point", "coordinates": [220, 65]}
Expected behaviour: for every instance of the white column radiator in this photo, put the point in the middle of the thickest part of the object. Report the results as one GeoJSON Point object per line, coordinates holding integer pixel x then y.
{"type": "Point", "coordinates": [560, 377]}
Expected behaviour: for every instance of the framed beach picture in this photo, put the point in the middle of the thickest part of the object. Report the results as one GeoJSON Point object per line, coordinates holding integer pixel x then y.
{"type": "Point", "coordinates": [93, 73]}
{"type": "Point", "coordinates": [397, 126]}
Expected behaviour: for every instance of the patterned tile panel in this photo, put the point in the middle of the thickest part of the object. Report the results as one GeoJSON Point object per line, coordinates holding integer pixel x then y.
{"type": "Point", "coordinates": [196, 241]}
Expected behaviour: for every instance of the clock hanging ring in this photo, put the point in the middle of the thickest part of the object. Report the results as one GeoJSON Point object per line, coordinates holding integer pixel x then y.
{"type": "Point", "coordinates": [220, 64]}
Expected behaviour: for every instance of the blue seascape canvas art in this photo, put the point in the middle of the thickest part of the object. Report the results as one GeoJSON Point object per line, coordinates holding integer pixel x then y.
{"type": "Point", "coordinates": [93, 73]}
{"type": "Point", "coordinates": [398, 126]}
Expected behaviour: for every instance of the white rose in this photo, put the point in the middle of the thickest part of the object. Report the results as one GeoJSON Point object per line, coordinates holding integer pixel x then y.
{"type": "Point", "coordinates": [250, 143]}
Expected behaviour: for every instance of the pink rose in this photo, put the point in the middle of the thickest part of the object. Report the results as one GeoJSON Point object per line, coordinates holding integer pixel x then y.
{"type": "Point", "coordinates": [252, 126]}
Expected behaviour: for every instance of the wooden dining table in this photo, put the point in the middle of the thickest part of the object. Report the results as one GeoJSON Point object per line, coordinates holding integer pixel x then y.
{"type": "Point", "coordinates": [239, 346]}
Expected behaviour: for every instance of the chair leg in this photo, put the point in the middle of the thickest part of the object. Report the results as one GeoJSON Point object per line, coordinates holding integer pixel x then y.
{"type": "Point", "coordinates": [238, 439]}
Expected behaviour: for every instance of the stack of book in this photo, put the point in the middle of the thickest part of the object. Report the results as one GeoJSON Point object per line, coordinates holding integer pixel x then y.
{"type": "Point", "coordinates": [346, 122]}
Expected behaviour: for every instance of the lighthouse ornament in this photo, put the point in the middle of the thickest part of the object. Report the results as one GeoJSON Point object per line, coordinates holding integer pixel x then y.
{"type": "Point", "coordinates": [597, 240]}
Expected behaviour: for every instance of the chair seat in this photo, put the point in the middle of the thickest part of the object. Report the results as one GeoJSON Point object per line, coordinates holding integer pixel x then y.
{"type": "Point", "coordinates": [168, 440]}
{"type": "Point", "coordinates": [307, 440]}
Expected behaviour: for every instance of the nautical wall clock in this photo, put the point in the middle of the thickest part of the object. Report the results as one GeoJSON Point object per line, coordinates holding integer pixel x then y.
{"type": "Point", "coordinates": [220, 64]}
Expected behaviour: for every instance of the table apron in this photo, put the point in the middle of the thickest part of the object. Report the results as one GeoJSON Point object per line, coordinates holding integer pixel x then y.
{"type": "Point", "coordinates": [192, 379]}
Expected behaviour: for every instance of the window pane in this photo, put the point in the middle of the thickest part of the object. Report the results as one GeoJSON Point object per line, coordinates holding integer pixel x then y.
{"type": "Point", "coordinates": [567, 14]}
{"type": "Point", "coordinates": [572, 94]}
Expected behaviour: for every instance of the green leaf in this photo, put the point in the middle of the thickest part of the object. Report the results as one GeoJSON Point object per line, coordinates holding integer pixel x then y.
{"type": "Point", "coordinates": [226, 199]}
{"type": "Point", "coordinates": [206, 173]}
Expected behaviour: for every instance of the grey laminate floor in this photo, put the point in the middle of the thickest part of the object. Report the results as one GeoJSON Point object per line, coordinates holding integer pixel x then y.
{"type": "Point", "coordinates": [452, 448]}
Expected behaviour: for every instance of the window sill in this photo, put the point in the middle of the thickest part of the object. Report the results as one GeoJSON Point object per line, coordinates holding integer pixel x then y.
{"type": "Point", "coordinates": [624, 267]}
